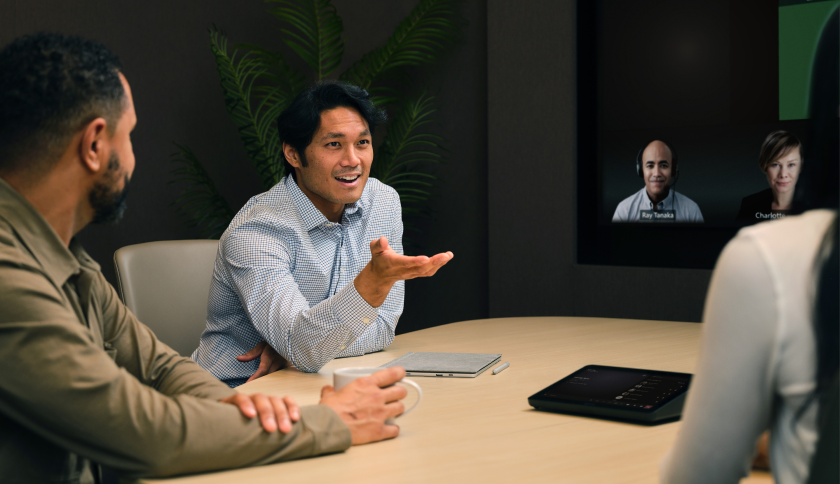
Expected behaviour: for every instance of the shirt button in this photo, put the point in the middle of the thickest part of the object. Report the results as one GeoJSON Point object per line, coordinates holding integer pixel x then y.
{"type": "Point", "coordinates": [365, 320]}
{"type": "Point", "coordinates": [342, 347]}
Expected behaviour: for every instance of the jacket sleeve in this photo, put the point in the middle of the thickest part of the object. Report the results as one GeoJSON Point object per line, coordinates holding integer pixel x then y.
{"type": "Point", "coordinates": [134, 347]}
{"type": "Point", "coordinates": [63, 387]}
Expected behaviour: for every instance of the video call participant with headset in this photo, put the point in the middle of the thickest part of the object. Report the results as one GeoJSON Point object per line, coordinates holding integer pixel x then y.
{"type": "Point", "coordinates": [780, 160]}
{"type": "Point", "coordinates": [771, 343]}
{"type": "Point", "coordinates": [657, 201]}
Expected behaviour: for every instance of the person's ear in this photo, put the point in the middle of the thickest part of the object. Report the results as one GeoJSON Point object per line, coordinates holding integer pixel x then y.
{"type": "Point", "coordinates": [291, 155]}
{"type": "Point", "coordinates": [94, 145]}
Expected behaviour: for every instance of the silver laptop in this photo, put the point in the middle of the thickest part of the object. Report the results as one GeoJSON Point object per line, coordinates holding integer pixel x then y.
{"type": "Point", "coordinates": [445, 365]}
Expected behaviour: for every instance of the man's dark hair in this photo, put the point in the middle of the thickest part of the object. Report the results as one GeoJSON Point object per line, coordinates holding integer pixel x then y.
{"type": "Point", "coordinates": [51, 86]}
{"type": "Point", "coordinates": [299, 122]}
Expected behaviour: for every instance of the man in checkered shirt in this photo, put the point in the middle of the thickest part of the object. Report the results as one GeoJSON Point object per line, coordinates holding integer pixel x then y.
{"type": "Point", "coordinates": [314, 268]}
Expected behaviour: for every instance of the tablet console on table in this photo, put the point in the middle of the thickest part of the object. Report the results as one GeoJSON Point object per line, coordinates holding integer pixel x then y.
{"type": "Point", "coordinates": [614, 392]}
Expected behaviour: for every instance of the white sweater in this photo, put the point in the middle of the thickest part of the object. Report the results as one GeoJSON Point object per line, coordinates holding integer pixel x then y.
{"type": "Point", "coordinates": [757, 363]}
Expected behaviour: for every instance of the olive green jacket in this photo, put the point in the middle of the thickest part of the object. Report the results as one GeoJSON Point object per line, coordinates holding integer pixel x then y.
{"type": "Point", "coordinates": [82, 382]}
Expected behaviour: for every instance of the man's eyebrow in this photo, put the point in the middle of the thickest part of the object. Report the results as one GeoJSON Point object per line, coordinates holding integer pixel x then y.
{"type": "Point", "coordinates": [332, 136]}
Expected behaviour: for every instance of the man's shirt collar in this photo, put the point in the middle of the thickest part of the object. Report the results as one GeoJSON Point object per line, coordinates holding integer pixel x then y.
{"type": "Point", "coordinates": [311, 216]}
{"type": "Point", "coordinates": [664, 204]}
{"type": "Point", "coordinates": [58, 261]}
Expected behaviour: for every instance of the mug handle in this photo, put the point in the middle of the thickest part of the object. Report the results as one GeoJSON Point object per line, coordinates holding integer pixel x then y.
{"type": "Point", "coordinates": [419, 394]}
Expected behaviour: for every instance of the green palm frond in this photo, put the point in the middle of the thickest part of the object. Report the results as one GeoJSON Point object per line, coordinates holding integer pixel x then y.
{"type": "Point", "coordinates": [315, 34]}
{"type": "Point", "coordinates": [405, 147]}
{"type": "Point", "coordinates": [278, 72]}
{"type": "Point", "coordinates": [419, 39]}
{"type": "Point", "coordinates": [254, 102]}
{"type": "Point", "coordinates": [200, 203]}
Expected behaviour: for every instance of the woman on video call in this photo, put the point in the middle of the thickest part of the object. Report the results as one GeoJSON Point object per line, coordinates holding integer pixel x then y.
{"type": "Point", "coordinates": [771, 342]}
{"type": "Point", "coordinates": [781, 160]}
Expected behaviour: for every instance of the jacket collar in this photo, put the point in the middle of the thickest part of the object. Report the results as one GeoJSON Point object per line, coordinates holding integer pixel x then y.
{"type": "Point", "coordinates": [58, 261]}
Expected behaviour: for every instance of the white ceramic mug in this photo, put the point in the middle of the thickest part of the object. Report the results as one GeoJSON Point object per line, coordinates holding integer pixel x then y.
{"type": "Point", "coordinates": [343, 376]}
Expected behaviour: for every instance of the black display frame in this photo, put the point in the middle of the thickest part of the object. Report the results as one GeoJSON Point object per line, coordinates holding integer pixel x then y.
{"type": "Point", "coordinates": [678, 246]}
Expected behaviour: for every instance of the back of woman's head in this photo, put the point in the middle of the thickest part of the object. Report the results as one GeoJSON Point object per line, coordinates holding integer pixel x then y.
{"type": "Point", "coordinates": [818, 183]}
{"type": "Point", "coordinates": [827, 310]}
{"type": "Point", "coordinates": [822, 192]}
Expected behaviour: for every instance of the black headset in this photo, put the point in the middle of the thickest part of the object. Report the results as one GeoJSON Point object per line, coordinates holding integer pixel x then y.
{"type": "Point", "coordinates": [674, 158]}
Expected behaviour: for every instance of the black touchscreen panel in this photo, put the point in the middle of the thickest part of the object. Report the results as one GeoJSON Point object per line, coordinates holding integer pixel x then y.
{"type": "Point", "coordinates": [626, 388]}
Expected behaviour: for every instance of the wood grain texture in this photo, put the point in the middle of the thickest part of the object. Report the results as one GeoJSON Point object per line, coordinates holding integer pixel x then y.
{"type": "Point", "coordinates": [482, 429]}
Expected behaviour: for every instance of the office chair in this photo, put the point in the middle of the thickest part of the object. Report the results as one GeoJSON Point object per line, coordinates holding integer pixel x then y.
{"type": "Point", "coordinates": [166, 285]}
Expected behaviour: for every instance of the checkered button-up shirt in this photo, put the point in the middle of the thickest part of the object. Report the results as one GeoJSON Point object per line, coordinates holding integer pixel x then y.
{"type": "Point", "coordinates": [284, 274]}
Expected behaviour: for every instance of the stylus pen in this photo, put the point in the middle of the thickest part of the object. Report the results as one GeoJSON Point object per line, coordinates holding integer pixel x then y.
{"type": "Point", "coordinates": [501, 368]}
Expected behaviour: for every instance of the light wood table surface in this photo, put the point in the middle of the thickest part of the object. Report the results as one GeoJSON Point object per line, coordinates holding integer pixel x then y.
{"type": "Point", "coordinates": [482, 430]}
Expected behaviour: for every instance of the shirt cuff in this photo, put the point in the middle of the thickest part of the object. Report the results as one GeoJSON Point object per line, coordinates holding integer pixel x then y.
{"type": "Point", "coordinates": [351, 309]}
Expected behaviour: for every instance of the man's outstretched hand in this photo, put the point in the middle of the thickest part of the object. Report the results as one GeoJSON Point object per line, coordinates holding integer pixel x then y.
{"type": "Point", "coordinates": [387, 267]}
{"type": "Point", "coordinates": [365, 403]}
{"type": "Point", "coordinates": [270, 360]}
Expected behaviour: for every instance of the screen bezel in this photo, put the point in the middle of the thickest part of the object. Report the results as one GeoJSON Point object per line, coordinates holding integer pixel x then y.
{"type": "Point", "coordinates": [625, 244]}
{"type": "Point", "coordinates": [541, 394]}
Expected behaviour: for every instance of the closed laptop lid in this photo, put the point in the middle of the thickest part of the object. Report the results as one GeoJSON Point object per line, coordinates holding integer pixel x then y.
{"type": "Point", "coordinates": [445, 362]}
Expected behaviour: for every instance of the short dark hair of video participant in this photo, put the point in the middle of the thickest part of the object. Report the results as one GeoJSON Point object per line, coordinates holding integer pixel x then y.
{"type": "Point", "coordinates": [781, 161]}
{"type": "Point", "coordinates": [657, 201]}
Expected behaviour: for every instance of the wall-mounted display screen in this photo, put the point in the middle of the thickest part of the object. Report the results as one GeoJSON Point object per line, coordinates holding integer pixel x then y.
{"type": "Point", "coordinates": [693, 122]}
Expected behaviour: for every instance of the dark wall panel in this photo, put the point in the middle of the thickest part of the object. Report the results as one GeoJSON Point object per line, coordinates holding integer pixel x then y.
{"type": "Point", "coordinates": [640, 293]}
{"type": "Point", "coordinates": [458, 292]}
{"type": "Point", "coordinates": [533, 185]}
{"type": "Point", "coordinates": [7, 18]}
{"type": "Point", "coordinates": [531, 105]}
{"type": "Point", "coordinates": [164, 47]}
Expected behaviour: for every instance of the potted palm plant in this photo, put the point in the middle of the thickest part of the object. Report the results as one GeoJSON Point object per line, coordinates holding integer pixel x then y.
{"type": "Point", "coordinates": [257, 84]}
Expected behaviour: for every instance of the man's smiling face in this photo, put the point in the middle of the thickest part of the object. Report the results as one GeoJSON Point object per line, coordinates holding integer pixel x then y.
{"type": "Point", "coordinates": [337, 161]}
{"type": "Point", "coordinates": [657, 170]}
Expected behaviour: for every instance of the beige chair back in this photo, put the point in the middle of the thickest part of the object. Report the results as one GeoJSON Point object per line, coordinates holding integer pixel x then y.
{"type": "Point", "coordinates": [166, 285]}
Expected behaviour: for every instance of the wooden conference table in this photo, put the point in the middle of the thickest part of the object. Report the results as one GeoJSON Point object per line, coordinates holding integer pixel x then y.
{"type": "Point", "coordinates": [483, 430]}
